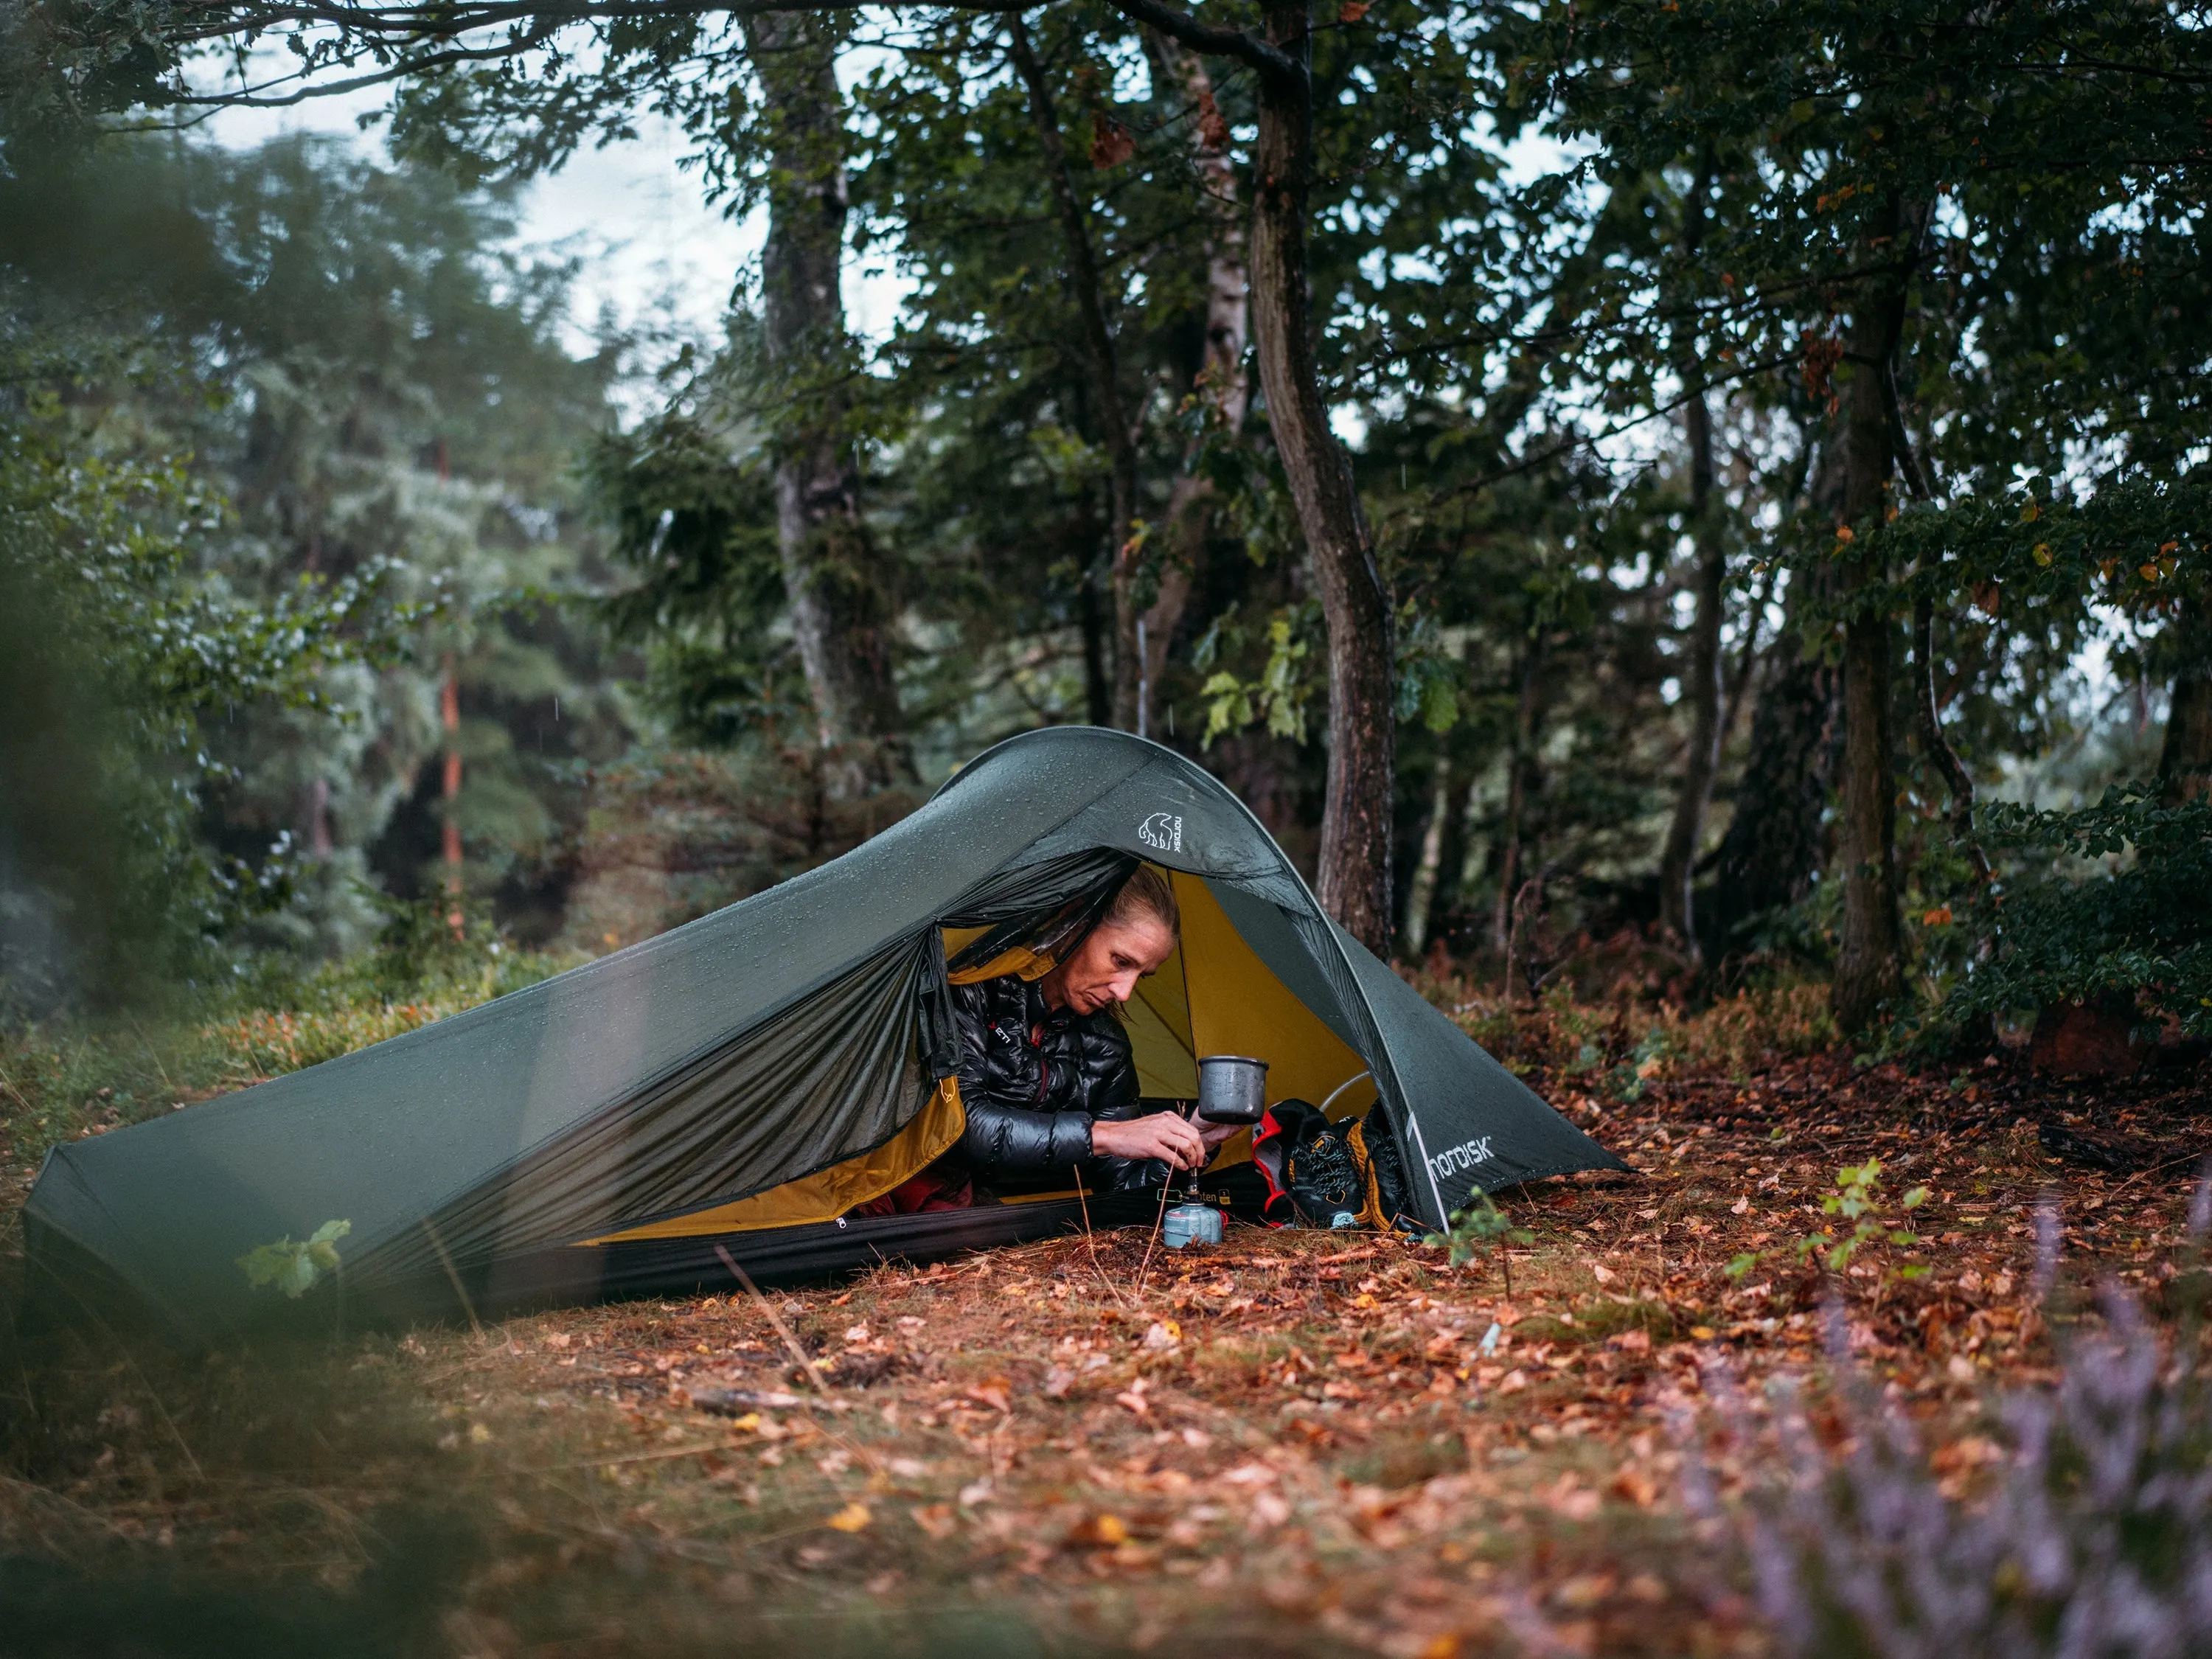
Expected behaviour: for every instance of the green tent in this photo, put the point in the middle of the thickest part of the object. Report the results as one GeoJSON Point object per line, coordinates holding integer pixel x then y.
{"type": "Point", "coordinates": [738, 1084]}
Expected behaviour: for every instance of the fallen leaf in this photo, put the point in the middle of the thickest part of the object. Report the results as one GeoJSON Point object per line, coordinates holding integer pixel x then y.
{"type": "Point", "coordinates": [1097, 1532]}
{"type": "Point", "coordinates": [852, 1518]}
{"type": "Point", "coordinates": [995, 1392]}
{"type": "Point", "coordinates": [936, 1519]}
{"type": "Point", "coordinates": [1635, 1487]}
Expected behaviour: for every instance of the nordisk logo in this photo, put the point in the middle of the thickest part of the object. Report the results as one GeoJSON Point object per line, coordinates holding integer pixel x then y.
{"type": "Point", "coordinates": [1463, 1157]}
{"type": "Point", "coordinates": [1162, 830]}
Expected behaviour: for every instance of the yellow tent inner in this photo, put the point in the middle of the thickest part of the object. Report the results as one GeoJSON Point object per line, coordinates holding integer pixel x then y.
{"type": "Point", "coordinates": [1211, 996]}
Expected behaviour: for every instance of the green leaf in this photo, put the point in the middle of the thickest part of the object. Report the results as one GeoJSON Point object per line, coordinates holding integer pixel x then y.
{"type": "Point", "coordinates": [295, 1268]}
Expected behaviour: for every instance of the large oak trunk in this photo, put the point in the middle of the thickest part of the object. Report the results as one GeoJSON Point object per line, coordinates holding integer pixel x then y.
{"type": "Point", "coordinates": [1869, 958]}
{"type": "Point", "coordinates": [1356, 818]}
{"type": "Point", "coordinates": [834, 583]}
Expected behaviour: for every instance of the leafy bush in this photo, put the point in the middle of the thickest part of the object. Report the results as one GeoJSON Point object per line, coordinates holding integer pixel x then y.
{"type": "Point", "coordinates": [2139, 928]}
{"type": "Point", "coordinates": [2095, 1537]}
{"type": "Point", "coordinates": [1624, 1046]}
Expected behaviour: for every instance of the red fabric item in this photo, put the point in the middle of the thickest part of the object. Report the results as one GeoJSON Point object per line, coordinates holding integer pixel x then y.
{"type": "Point", "coordinates": [936, 1187]}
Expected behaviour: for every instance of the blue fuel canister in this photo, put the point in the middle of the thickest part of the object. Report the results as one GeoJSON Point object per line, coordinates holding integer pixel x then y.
{"type": "Point", "coordinates": [1191, 1223]}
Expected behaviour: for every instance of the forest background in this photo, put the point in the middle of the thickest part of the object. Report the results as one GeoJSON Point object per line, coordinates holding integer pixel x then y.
{"type": "Point", "coordinates": [1687, 520]}
{"type": "Point", "coordinates": [1630, 475]}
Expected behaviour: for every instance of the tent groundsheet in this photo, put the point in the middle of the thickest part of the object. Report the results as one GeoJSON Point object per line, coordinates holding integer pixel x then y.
{"type": "Point", "coordinates": [748, 1079]}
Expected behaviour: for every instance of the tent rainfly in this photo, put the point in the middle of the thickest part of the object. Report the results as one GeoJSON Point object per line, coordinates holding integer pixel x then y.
{"type": "Point", "coordinates": [738, 1085]}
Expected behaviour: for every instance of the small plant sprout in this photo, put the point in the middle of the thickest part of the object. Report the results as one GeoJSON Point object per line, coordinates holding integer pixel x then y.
{"type": "Point", "coordinates": [1477, 1227]}
{"type": "Point", "coordinates": [1857, 1201]}
{"type": "Point", "coordinates": [295, 1268]}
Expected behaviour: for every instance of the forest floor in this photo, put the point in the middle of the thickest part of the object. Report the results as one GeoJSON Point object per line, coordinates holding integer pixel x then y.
{"type": "Point", "coordinates": [1292, 1442]}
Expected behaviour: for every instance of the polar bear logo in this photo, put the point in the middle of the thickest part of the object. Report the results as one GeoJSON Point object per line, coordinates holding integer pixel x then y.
{"type": "Point", "coordinates": [1162, 830]}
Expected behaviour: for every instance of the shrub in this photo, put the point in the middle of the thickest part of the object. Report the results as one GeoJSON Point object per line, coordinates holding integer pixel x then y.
{"type": "Point", "coordinates": [2137, 928]}
{"type": "Point", "coordinates": [1623, 1046]}
{"type": "Point", "coordinates": [2095, 1537]}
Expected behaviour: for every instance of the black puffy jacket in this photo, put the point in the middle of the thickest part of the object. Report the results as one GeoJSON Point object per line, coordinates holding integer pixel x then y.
{"type": "Point", "coordinates": [1033, 1078]}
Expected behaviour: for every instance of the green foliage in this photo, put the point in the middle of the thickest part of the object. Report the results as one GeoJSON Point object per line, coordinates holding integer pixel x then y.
{"type": "Point", "coordinates": [294, 1268]}
{"type": "Point", "coordinates": [1858, 1200]}
{"type": "Point", "coordinates": [1281, 696]}
{"type": "Point", "coordinates": [1476, 1229]}
{"type": "Point", "coordinates": [2102, 903]}
{"type": "Point", "coordinates": [116, 645]}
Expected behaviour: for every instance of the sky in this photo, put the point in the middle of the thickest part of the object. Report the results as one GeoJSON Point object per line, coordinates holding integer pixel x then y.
{"type": "Point", "coordinates": [651, 250]}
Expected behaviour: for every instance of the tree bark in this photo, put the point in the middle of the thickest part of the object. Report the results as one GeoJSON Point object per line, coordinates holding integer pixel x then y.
{"type": "Point", "coordinates": [1869, 958]}
{"type": "Point", "coordinates": [2184, 760]}
{"type": "Point", "coordinates": [1775, 837]}
{"type": "Point", "coordinates": [833, 581]}
{"type": "Point", "coordinates": [449, 719]}
{"type": "Point", "coordinates": [1105, 368]}
{"type": "Point", "coordinates": [1521, 763]}
{"type": "Point", "coordinates": [1355, 817]}
{"type": "Point", "coordinates": [1702, 684]}
{"type": "Point", "coordinates": [1220, 385]}
{"type": "Point", "coordinates": [1421, 893]}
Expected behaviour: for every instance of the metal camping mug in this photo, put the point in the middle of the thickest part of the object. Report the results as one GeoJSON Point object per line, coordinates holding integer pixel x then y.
{"type": "Point", "coordinates": [1231, 1089]}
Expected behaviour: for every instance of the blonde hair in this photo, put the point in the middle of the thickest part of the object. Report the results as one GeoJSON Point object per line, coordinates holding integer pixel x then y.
{"type": "Point", "coordinates": [1146, 894]}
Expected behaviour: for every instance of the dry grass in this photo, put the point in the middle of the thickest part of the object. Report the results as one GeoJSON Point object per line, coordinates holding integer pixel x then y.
{"type": "Point", "coordinates": [1292, 1443]}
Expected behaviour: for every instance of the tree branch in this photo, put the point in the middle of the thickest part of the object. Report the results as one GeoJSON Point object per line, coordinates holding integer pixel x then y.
{"type": "Point", "coordinates": [1214, 41]}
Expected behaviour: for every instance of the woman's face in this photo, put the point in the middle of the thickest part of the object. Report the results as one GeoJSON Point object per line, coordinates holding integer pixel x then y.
{"type": "Point", "coordinates": [1106, 966]}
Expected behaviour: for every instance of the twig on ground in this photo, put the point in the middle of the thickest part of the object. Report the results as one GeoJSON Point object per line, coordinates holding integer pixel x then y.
{"type": "Point", "coordinates": [1159, 1219]}
{"type": "Point", "coordinates": [453, 1277]}
{"type": "Point", "coordinates": [806, 1366]}
{"type": "Point", "coordinates": [1091, 1239]}
{"type": "Point", "coordinates": [806, 1362]}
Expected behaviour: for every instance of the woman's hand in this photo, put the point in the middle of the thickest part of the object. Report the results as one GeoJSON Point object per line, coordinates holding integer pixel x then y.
{"type": "Point", "coordinates": [1160, 1135]}
{"type": "Point", "coordinates": [1216, 1135]}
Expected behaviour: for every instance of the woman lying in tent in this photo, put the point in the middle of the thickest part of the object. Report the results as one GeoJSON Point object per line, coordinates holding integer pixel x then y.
{"type": "Point", "coordinates": [1047, 1076]}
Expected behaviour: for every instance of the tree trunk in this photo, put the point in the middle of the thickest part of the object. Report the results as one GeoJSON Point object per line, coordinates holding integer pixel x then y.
{"type": "Point", "coordinates": [1220, 385]}
{"type": "Point", "coordinates": [1701, 685]}
{"type": "Point", "coordinates": [1520, 774]}
{"type": "Point", "coordinates": [1870, 958]}
{"type": "Point", "coordinates": [1105, 368]}
{"type": "Point", "coordinates": [1356, 817]}
{"type": "Point", "coordinates": [449, 719]}
{"type": "Point", "coordinates": [2184, 760]}
{"type": "Point", "coordinates": [1774, 841]}
{"type": "Point", "coordinates": [1420, 894]}
{"type": "Point", "coordinates": [832, 582]}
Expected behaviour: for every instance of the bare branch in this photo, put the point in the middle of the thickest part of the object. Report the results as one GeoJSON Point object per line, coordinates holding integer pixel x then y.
{"type": "Point", "coordinates": [1214, 41]}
